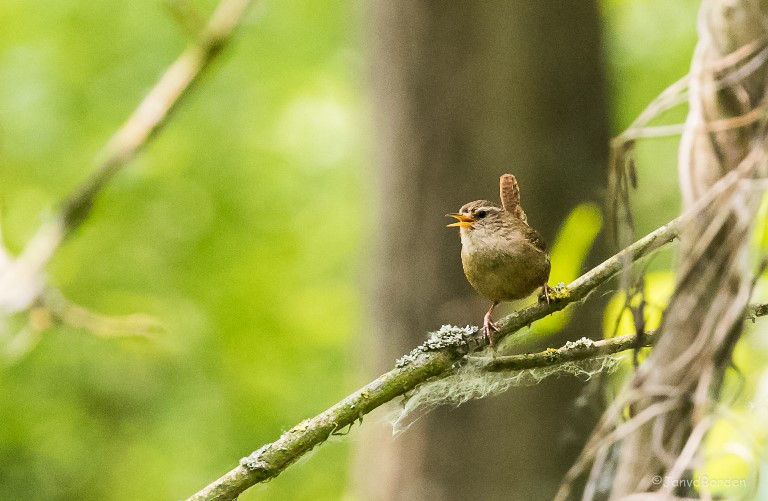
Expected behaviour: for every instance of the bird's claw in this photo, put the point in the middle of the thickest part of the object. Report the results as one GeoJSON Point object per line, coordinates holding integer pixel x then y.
{"type": "Point", "coordinates": [489, 327]}
{"type": "Point", "coordinates": [545, 293]}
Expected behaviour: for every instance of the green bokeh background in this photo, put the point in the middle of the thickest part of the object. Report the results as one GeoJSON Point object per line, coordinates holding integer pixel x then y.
{"type": "Point", "coordinates": [242, 228]}
{"type": "Point", "coordinates": [239, 229]}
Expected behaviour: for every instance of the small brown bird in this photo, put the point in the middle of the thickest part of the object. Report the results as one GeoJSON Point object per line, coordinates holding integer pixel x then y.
{"type": "Point", "coordinates": [504, 259]}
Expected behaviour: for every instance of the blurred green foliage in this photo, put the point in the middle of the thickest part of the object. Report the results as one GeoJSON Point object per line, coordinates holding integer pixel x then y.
{"type": "Point", "coordinates": [574, 240]}
{"type": "Point", "coordinates": [241, 229]}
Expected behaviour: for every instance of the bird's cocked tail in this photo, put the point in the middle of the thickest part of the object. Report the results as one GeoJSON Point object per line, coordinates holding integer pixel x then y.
{"type": "Point", "coordinates": [510, 197]}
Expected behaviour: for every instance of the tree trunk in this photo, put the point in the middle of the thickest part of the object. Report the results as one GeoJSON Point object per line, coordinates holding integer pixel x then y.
{"type": "Point", "coordinates": [464, 92]}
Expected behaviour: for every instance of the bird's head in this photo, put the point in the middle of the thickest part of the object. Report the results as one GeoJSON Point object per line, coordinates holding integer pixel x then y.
{"type": "Point", "coordinates": [480, 214]}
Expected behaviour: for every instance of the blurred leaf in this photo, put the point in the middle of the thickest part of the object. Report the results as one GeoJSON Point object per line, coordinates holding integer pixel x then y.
{"type": "Point", "coordinates": [658, 289]}
{"type": "Point", "coordinates": [731, 467]}
{"type": "Point", "coordinates": [572, 245]}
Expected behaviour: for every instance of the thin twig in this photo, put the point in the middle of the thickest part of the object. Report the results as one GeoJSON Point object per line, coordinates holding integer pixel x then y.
{"type": "Point", "coordinates": [573, 351]}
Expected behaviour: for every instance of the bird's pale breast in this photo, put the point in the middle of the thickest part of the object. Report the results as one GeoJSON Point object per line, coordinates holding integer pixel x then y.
{"type": "Point", "coordinates": [506, 273]}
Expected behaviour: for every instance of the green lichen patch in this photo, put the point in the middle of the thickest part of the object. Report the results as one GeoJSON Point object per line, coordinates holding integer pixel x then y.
{"type": "Point", "coordinates": [559, 291]}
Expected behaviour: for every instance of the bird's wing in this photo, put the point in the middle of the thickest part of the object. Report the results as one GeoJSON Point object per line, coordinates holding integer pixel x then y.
{"type": "Point", "coordinates": [535, 238]}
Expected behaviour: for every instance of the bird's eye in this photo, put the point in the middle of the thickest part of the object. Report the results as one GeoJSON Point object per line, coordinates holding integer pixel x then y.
{"type": "Point", "coordinates": [481, 214]}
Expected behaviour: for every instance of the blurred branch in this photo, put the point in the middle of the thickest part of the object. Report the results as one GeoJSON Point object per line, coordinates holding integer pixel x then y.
{"type": "Point", "coordinates": [433, 359]}
{"type": "Point", "coordinates": [21, 279]}
{"type": "Point", "coordinates": [53, 307]}
{"type": "Point", "coordinates": [741, 63]}
{"type": "Point", "coordinates": [154, 110]}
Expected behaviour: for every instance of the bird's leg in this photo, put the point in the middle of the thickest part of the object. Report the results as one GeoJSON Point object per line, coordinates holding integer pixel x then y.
{"type": "Point", "coordinates": [488, 326]}
{"type": "Point", "coordinates": [545, 290]}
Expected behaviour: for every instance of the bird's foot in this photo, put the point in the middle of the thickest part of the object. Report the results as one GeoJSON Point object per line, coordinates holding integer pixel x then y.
{"type": "Point", "coordinates": [556, 293]}
{"type": "Point", "coordinates": [544, 296]}
{"type": "Point", "coordinates": [489, 327]}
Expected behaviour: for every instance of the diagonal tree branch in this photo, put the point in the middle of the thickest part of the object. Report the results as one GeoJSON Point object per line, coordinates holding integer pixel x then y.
{"type": "Point", "coordinates": [154, 110]}
{"type": "Point", "coordinates": [21, 279]}
{"type": "Point", "coordinates": [434, 359]}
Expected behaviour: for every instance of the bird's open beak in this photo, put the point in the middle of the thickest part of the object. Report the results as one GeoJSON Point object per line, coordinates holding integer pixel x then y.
{"type": "Point", "coordinates": [463, 221]}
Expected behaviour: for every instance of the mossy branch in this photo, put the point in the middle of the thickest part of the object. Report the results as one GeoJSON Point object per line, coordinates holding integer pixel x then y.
{"type": "Point", "coordinates": [572, 351]}
{"type": "Point", "coordinates": [434, 359]}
